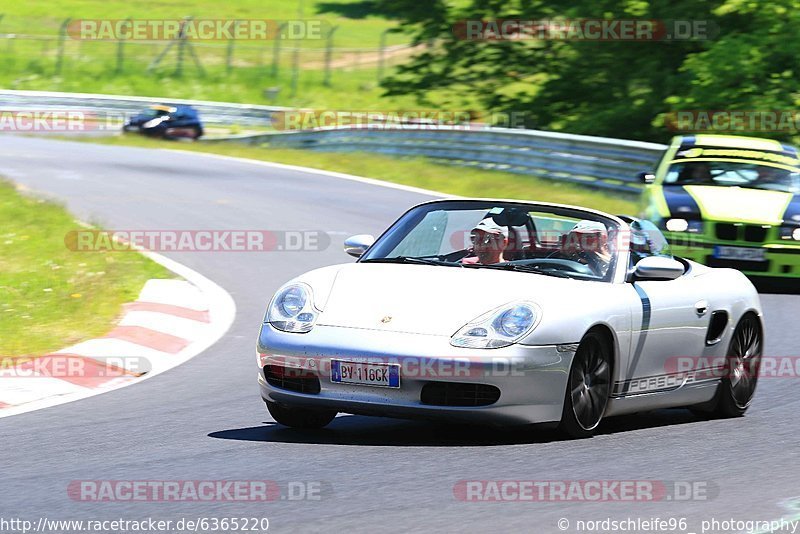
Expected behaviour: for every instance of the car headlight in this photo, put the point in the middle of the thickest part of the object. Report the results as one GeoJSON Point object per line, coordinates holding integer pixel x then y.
{"type": "Point", "coordinates": [292, 309]}
{"type": "Point", "coordinates": [790, 233]}
{"type": "Point", "coordinates": [498, 328]}
{"type": "Point", "coordinates": [683, 225]}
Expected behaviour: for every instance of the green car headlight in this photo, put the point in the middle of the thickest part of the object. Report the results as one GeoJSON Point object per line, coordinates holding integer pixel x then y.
{"type": "Point", "coordinates": [790, 233]}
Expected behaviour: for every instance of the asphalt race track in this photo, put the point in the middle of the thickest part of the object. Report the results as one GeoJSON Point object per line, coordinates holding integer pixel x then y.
{"type": "Point", "coordinates": [204, 420]}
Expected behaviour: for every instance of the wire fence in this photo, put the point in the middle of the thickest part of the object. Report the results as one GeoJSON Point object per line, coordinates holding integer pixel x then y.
{"type": "Point", "coordinates": [61, 54]}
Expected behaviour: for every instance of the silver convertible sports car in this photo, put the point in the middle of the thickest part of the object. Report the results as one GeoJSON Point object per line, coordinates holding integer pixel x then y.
{"type": "Point", "coordinates": [510, 312]}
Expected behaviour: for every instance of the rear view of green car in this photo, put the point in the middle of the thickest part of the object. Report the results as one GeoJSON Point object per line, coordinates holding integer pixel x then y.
{"type": "Point", "coordinates": [728, 201]}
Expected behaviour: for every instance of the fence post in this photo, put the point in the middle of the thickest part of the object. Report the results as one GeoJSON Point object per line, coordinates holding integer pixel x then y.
{"type": "Point", "coordinates": [181, 46]}
{"type": "Point", "coordinates": [10, 37]}
{"type": "Point", "coordinates": [296, 54]}
{"type": "Point", "coordinates": [184, 45]}
{"type": "Point", "coordinates": [120, 48]}
{"type": "Point", "coordinates": [62, 36]}
{"type": "Point", "coordinates": [229, 53]}
{"type": "Point", "coordinates": [295, 70]}
{"type": "Point", "coordinates": [276, 50]}
{"type": "Point", "coordinates": [328, 56]}
{"type": "Point", "coordinates": [382, 53]}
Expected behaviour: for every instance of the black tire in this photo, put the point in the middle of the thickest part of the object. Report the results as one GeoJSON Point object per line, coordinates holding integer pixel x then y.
{"type": "Point", "coordinates": [295, 417]}
{"type": "Point", "coordinates": [588, 387]}
{"type": "Point", "coordinates": [740, 377]}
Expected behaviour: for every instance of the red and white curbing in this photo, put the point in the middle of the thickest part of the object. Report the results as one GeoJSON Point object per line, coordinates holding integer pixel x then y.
{"type": "Point", "coordinates": [171, 322]}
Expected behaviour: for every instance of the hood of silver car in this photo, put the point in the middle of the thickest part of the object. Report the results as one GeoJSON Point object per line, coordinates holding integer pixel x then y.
{"type": "Point", "coordinates": [423, 299]}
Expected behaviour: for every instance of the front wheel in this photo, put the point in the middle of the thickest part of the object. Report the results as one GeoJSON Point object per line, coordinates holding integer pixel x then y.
{"type": "Point", "coordinates": [299, 417]}
{"type": "Point", "coordinates": [588, 387]}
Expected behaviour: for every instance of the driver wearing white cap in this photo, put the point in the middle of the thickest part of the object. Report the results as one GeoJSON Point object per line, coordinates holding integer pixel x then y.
{"type": "Point", "coordinates": [587, 243]}
{"type": "Point", "coordinates": [489, 240]}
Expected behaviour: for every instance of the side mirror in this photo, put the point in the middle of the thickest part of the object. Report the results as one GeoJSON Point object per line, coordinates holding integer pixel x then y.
{"type": "Point", "coordinates": [358, 244]}
{"type": "Point", "coordinates": [658, 268]}
{"type": "Point", "coordinates": [646, 177]}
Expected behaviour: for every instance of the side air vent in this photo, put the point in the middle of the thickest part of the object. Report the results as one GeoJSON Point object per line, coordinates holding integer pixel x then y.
{"type": "Point", "coordinates": [716, 328]}
{"type": "Point", "coordinates": [299, 380]}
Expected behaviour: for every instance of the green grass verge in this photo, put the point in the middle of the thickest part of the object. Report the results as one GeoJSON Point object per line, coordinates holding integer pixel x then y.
{"type": "Point", "coordinates": [417, 172]}
{"type": "Point", "coordinates": [50, 296]}
{"type": "Point", "coordinates": [355, 90]}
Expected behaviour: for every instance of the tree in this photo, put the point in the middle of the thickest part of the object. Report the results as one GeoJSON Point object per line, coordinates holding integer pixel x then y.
{"type": "Point", "coordinates": [615, 88]}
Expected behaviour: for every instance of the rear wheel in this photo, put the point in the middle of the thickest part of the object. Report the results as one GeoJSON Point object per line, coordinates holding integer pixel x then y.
{"type": "Point", "coordinates": [299, 417]}
{"type": "Point", "coordinates": [588, 387]}
{"type": "Point", "coordinates": [741, 369]}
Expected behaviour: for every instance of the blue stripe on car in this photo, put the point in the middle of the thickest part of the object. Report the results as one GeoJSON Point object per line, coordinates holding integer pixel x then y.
{"type": "Point", "coordinates": [680, 202]}
{"type": "Point", "coordinates": [645, 326]}
{"type": "Point", "coordinates": [792, 212]}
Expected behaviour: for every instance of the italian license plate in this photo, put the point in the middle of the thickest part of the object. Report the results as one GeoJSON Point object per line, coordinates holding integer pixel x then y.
{"type": "Point", "coordinates": [385, 375]}
{"type": "Point", "coordinates": [740, 253]}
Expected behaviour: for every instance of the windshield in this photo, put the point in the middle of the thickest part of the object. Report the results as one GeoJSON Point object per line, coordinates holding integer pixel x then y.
{"type": "Point", "coordinates": [734, 173]}
{"type": "Point", "coordinates": [154, 112]}
{"type": "Point", "coordinates": [548, 240]}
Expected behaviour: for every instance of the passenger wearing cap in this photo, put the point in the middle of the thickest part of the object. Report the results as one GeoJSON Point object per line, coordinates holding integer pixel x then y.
{"type": "Point", "coordinates": [489, 240]}
{"type": "Point", "coordinates": [587, 243]}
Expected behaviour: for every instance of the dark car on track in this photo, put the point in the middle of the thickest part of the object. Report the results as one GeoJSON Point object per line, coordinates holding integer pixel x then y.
{"type": "Point", "coordinates": [167, 122]}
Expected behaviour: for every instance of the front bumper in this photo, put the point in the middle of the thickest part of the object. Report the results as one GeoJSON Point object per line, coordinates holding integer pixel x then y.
{"type": "Point", "coordinates": [157, 131]}
{"type": "Point", "coordinates": [532, 379]}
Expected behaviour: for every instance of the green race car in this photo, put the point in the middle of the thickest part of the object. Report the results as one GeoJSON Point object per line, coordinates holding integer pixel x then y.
{"type": "Point", "coordinates": [728, 201]}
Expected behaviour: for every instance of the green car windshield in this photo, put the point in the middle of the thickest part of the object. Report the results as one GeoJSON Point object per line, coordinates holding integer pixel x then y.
{"type": "Point", "coordinates": [734, 173]}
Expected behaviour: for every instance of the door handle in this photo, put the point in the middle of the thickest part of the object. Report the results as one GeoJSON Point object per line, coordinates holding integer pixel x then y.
{"type": "Point", "coordinates": [701, 307]}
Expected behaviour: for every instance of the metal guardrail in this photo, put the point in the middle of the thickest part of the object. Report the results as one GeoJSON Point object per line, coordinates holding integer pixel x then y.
{"type": "Point", "coordinates": [221, 113]}
{"type": "Point", "coordinates": [599, 162]}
